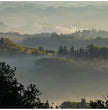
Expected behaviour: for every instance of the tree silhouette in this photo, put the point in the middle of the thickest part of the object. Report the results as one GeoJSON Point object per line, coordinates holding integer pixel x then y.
{"type": "Point", "coordinates": [97, 104]}
{"type": "Point", "coordinates": [13, 94]}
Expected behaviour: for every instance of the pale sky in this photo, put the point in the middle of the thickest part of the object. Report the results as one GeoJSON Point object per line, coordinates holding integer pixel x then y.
{"type": "Point", "coordinates": [60, 17]}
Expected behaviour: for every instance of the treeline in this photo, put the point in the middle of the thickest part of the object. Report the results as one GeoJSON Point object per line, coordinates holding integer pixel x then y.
{"type": "Point", "coordinates": [7, 46]}
{"type": "Point", "coordinates": [78, 39]}
{"type": "Point", "coordinates": [90, 51]}
{"type": "Point", "coordinates": [97, 104]}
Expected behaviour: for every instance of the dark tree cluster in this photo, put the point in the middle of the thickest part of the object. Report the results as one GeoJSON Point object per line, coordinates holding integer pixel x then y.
{"type": "Point", "coordinates": [63, 50]}
{"type": "Point", "coordinates": [99, 104]}
{"type": "Point", "coordinates": [90, 51]}
{"type": "Point", "coordinates": [14, 94]}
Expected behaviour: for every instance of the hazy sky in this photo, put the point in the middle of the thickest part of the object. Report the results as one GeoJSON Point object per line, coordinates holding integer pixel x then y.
{"type": "Point", "coordinates": [61, 17]}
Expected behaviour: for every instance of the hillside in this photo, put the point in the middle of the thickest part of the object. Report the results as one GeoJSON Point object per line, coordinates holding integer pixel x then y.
{"type": "Point", "coordinates": [8, 47]}
{"type": "Point", "coordinates": [54, 40]}
{"type": "Point", "coordinates": [77, 39]}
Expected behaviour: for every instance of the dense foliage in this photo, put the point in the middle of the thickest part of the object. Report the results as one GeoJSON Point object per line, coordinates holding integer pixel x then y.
{"type": "Point", "coordinates": [14, 95]}
{"type": "Point", "coordinates": [99, 104]}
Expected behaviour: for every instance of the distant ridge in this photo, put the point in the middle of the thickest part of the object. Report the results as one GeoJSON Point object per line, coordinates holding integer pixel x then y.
{"type": "Point", "coordinates": [54, 40]}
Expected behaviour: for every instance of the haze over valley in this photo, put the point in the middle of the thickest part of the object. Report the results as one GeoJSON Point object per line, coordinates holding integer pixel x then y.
{"type": "Point", "coordinates": [62, 80]}
{"type": "Point", "coordinates": [61, 47]}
